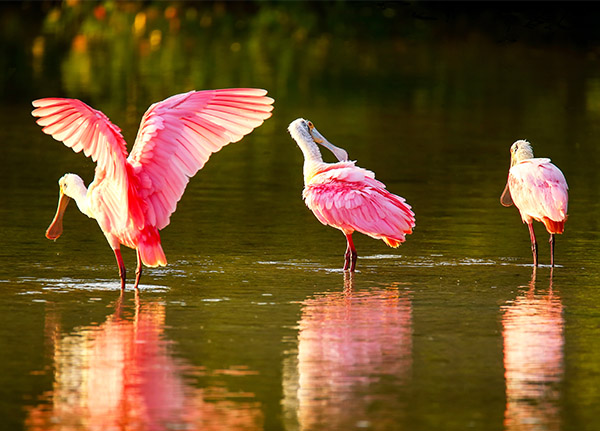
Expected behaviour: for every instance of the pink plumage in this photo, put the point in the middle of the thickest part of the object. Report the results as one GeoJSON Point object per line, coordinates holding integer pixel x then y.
{"type": "Point", "coordinates": [347, 197]}
{"type": "Point", "coordinates": [132, 197]}
{"type": "Point", "coordinates": [350, 199]}
{"type": "Point", "coordinates": [540, 192]}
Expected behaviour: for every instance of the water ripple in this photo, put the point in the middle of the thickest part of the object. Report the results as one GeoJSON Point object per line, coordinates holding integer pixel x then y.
{"type": "Point", "coordinates": [58, 285]}
{"type": "Point", "coordinates": [432, 261]}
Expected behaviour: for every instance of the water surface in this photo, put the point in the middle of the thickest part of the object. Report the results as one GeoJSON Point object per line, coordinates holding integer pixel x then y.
{"type": "Point", "coordinates": [253, 325]}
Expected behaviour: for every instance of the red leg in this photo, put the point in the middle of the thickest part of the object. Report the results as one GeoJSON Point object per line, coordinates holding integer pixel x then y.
{"type": "Point", "coordinates": [534, 250]}
{"type": "Point", "coordinates": [552, 249]}
{"type": "Point", "coordinates": [122, 271]}
{"type": "Point", "coordinates": [138, 270]}
{"type": "Point", "coordinates": [351, 255]}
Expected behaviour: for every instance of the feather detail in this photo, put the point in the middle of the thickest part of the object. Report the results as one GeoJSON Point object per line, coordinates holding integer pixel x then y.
{"type": "Point", "coordinates": [349, 198]}
{"type": "Point", "coordinates": [133, 197]}
{"type": "Point", "coordinates": [192, 126]}
{"type": "Point", "coordinates": [540, 191]}
{"type": "Point", "coordinates": [85, 129]}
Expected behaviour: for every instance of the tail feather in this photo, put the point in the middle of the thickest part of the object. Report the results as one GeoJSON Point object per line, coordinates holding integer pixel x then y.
{"type": "Point", "coordinates": [394, 217]}
{"type": "Point", "coordinates": [150, 249]}
{"type": "Point", "coordinates": [393, 242]}
{"type": "Point", "coordinates": [554, 226]}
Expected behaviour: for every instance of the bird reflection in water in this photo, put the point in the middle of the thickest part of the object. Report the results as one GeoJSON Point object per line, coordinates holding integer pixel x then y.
{"type": "Point", "coordinates": [121, 375]}
{"type": "Point", "coordinates": [354, 352]}
{"type": "Point", "coordinates": [533, 359]}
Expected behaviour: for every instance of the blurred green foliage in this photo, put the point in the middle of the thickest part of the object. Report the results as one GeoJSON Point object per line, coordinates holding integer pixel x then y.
{"type": "Point", "coordinates": [139, 52]}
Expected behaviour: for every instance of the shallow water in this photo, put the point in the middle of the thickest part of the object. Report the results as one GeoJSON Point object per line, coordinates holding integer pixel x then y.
{"type": "Point", "coordinates": [253, 325]}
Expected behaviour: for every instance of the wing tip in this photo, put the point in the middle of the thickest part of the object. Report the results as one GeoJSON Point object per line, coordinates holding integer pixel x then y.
{"type": "Point", "coordinates": [46, 101]}
{"type": "Point", "coordinates": [246, 91]}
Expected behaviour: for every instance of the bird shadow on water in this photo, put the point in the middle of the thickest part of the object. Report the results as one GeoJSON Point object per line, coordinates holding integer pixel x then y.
{"type": "Point", "coordinates": [351, 364]}
{"type": "Point", "coordinates": [123, 373]}
{"type": "Point", "coordinates": [533, 339]}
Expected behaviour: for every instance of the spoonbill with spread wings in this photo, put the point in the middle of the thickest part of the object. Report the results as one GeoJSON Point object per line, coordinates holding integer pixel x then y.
{"type": "Point", "coordinates": [133, 196]}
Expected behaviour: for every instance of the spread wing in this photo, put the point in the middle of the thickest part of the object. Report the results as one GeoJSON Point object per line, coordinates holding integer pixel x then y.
{"type": "Point", "coordinates": [178, 135]}
{"type": "Point", "coordinates": [83, 128]}
{"type": "Point", "coordinates": [539, 189]}
{"type": "Point", "coordinates": [350, 198]}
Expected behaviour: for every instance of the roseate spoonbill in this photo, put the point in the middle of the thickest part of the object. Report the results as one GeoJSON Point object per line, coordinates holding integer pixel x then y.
{"type": "Point", "coordinates": [539, 191]}
{"type": "Point", "coordinates": [132, 197]}
{"type": "Point", "coordinates": [347, 197]}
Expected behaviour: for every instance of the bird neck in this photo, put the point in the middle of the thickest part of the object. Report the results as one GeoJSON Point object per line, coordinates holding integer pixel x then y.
{"type": "Point", "coordinates": [79, 193]}
{"type": "Point", "coordinates": [311, 151]}
{"type": "Point", "coordinates": [310, 169]}
{"type": "Point", "coordinates": [312, 158]}
{"type": "Point", "coordinates": [523, 155]}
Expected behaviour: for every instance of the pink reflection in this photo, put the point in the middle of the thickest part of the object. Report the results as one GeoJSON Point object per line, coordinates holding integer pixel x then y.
{"type": "Point", "coordinates": [533, 359]}
{"type": "Point", "coordinates": [121, 375]}
{"type": "Point", "coordinates": [354, 352]}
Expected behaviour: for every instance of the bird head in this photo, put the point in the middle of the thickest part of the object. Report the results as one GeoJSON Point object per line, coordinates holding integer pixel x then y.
{"type": "Point", "coordinates": [305, 133]}
{"type": "Point", "coordinates": [68, 184]}
{"type": "Point", "coordinates": [519, 151]}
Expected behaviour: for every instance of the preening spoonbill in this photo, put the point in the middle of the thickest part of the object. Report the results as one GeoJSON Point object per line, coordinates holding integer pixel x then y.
{"type": "Point", "coordinates": [347, 197]}
{"type": "Point", "coordinates": [539, 191]}
{"type": "Point", "coordinates": [132, 197]}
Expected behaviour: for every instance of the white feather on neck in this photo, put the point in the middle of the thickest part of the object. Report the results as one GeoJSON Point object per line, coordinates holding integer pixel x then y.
{"type": "Point", "coordinates": [72, 185]}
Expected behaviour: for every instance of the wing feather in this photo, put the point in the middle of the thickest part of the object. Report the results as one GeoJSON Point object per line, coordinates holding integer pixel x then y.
{"type": "Point", "coordinates": [74, 130]}
{"type": "Point", "coordinates": [210, 133]}
{"type": "Point", "coordinates": [83, 128]}
{"type": "Point", "coordinates": [178, 135]}
{"type": "Point", "coordinates": [187, 139]}
{"type": "Point", "coordinates": [539, 189]}
{"type": "Point", "coordinates": [351, 199]}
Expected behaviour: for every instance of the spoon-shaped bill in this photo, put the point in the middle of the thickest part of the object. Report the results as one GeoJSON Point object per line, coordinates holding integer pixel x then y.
{"type": "Point", "coordinates": [339, 153]}
{"type": "Point", "coordinates": [56, 228]}
{"type": "Point", "coordinates": [506, 198]}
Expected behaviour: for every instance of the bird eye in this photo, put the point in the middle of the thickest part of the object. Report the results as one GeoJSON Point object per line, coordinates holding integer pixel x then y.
{"type": "Point", "coordinates": [310, 125]}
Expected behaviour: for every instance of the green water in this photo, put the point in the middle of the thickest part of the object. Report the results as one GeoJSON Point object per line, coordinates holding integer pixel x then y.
{"type": "Point", "coordinates": [253, 325]}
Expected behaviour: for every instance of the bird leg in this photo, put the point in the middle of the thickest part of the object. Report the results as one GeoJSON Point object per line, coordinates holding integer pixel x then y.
{"type": "Point", "coordinates": [122, 271]}
{"type": "Point", "coordinates": [138, 270]}
{"type": "Point", "coordinates": [551, 249]}
{"type": "Point", "coordinates": [533, 244]}
{"type": "Point", "coordinates": [351, 255]}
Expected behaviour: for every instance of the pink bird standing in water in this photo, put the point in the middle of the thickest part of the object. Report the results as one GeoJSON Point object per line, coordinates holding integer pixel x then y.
{"type": "Point", "coordinates": [539, 191]}
{"type": "Point", "coordinates": [347, 197]}
{"type": "Point", "coordinates": [132, 197]}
